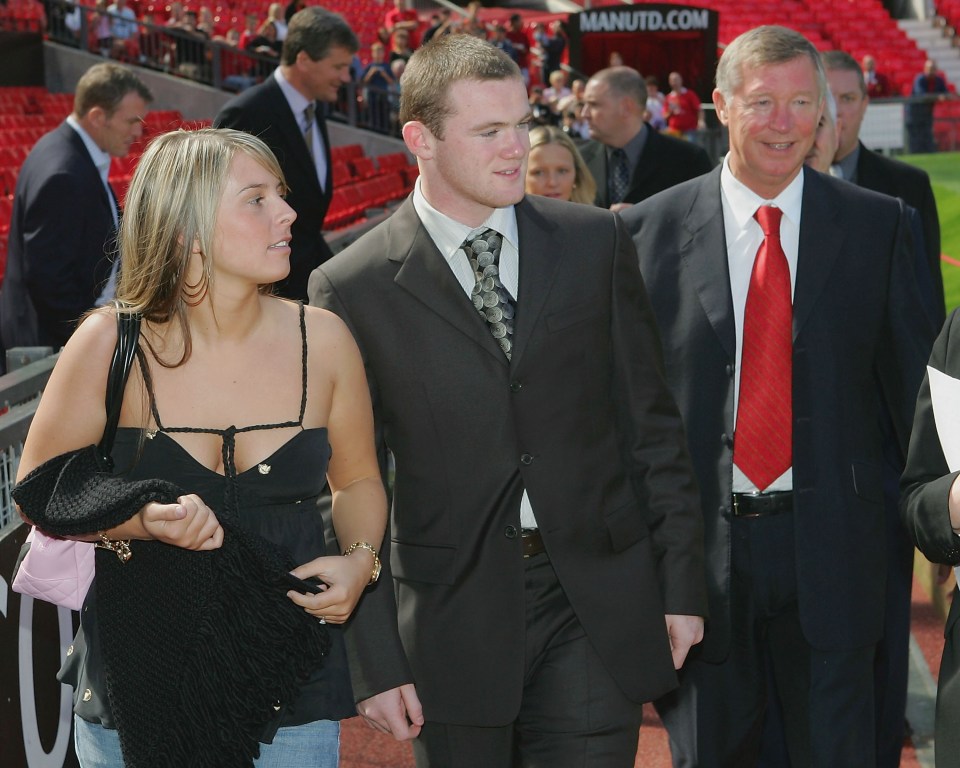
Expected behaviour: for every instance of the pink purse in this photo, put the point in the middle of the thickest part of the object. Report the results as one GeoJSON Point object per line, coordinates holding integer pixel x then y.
{"type": "Point", "coordinates": [60, 571]}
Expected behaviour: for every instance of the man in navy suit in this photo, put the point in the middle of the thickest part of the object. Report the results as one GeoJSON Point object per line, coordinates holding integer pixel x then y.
{"type": "Point", "coordinates": [796, 554]}
{"type": "Point", "coordinates": [615, 100]}
{"type": "Point", "coordinates": [65, 215]}
{"type": "Point", "coordinates": [872, 170]}
{"type": "Point", "coordinates": [286, 112]}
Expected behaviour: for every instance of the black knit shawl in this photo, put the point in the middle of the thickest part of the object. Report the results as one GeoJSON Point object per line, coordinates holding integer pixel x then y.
{"type": "Point", "coordinates": [200, 649]}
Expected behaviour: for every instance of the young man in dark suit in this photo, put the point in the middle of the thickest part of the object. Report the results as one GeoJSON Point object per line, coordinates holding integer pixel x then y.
{"type": "Point", "coordinates": [545, 543]}
{"type": "Point", "coordinates": [792, 321]}
{"type": "Point", "coordinates": [286, 111]}
{"type": "Point", "coordinates": [65, 215]}
{"type": "Point", "coordinates": [614, 103]}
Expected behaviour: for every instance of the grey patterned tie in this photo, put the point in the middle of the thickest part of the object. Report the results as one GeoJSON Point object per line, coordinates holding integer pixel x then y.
{"type": "Point", "coordinates": [491, 299]}
{"type": "Point", "coordinates": [619, 176]}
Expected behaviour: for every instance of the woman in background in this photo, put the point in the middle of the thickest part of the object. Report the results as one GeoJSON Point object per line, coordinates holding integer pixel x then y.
{"type": "Point", "coordinates": [556, 169]}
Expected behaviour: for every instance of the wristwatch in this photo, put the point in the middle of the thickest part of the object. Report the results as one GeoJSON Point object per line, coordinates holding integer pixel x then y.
{"type": "Point", "coordinates": [376, 558]}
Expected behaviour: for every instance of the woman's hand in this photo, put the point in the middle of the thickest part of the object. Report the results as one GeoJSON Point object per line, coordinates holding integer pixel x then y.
{"type": "Point", "coordinates": [189, 524]}
{"type": "Point", "coordinates": [344, 579]}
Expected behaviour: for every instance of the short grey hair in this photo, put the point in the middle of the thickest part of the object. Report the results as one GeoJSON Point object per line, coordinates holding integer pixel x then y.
{"type": "Point", "coordinates": [761, 46]}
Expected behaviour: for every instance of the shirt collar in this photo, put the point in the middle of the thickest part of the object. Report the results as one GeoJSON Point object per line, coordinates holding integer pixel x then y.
{"type": "Point", "coordinates": [632, 148]}
{"type": "Point", "coordinates": [448, 234]}
{"type": "Point", "coordinates": [100, 158]}
{"type": "Point", "coordinates": [743, 201]}
{"type": "Point", "coordinates": [849, 164]}
{"type": "Point", "coordinates": [297, 101]}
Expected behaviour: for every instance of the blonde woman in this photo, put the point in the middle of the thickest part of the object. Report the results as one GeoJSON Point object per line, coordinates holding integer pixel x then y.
{"type": "Point", "coordinates": [246, 403]}
{"type": "Point", "coordinates": [555, 168]}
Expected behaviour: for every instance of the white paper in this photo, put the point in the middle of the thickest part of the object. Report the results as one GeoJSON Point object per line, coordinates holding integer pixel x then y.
{"type": "Point", "coordinates": [945, 396]}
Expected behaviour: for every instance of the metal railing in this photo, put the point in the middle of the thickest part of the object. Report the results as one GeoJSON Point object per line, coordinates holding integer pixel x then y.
{"type": "Point", "coordinates": [19, 396]}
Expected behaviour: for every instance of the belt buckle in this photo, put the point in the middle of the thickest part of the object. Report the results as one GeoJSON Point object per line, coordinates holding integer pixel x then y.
{"type": "Point", "coordinates": [736, 506]}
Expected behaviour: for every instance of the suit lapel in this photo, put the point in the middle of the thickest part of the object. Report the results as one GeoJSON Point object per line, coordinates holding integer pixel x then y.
{"type": "Point", "coordinates": [821, 237]}
{"type": "Point", "coordinates": [541, 253]}
{"type": "Point", "coordinates": [703, 250]}
{"type": "Point", "coordinates": [288, 126]}
{"type": "Point", "coordinates": [425, 274]}
{"type": "Point", "coordinates": [647, 163]}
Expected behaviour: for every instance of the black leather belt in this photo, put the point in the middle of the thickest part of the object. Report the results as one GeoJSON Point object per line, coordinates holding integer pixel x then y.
{"type": "Point", "coordinates": [531, 542]}
{"type": "Point", "coordinates": [762, 504]}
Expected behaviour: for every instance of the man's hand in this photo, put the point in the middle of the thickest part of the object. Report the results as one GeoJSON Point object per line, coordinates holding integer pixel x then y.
{"type": "Point", "coordinates": [684, 632]}
{"type": "Point", "coordinates": [396, 711]}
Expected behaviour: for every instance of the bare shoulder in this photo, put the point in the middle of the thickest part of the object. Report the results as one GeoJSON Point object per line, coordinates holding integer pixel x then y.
{"type": "Point", "coordinates": [91, 346]}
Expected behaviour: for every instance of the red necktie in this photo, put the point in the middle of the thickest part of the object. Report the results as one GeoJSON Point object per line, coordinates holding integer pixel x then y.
{"type": "Point", "coordinates": [763, 438]}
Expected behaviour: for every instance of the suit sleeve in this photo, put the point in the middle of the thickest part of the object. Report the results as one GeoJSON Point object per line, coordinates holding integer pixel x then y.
{"type": "Point", "coordinates": [927, 479]}
{"type": "Point", "coordinates": [931, 241]}
{"type": "Point", "coordinates": [61, 281]}
{"type": "Point", "coordinates": [910, 332]}
{"type": "Point", "coordinates": [372, 638]}
{"type": "Point", "coordinates": [652, 438]}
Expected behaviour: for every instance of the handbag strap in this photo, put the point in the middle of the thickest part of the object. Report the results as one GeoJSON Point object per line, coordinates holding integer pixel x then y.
{"type": "Point", "coordinates": [128, 336]}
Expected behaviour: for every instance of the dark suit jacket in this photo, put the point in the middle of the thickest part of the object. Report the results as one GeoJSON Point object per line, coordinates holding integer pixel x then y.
{"type": "Point", "coordinates": [263, 111]}
{"type": "Point", "coordinates": [581, 418]}
{"type": "Point", "coordinates": [61, 233]}
{"type": "Point", "coordinates": [664, 162]}
{"type": "Point", "coordinates": [926, 489]}
{"type": "Point", "coordinates": [912, 185]}
{"type": "Point", "coordinates": [857, 321]}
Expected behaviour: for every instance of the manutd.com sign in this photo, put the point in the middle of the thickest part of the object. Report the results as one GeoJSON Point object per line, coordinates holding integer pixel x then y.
{"type": "Point", "coordinates": [681, 19]}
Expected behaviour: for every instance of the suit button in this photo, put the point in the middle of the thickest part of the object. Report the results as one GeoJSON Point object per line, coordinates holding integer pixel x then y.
{"type": "Point", "coordinates": [516, 386]}
{"type": "Point", "coordinates": [510, 532]}
{"type": "Point", "coordinates": [729, 370]}
{"type": "Point", "coordinates": [526, 459]}
{"type": "Point", "coordinates": [726, 440]}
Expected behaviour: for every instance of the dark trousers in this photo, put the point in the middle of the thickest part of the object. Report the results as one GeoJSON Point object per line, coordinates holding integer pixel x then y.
{"type": "Point", "coordinates": [825, 698]}
{"type": "Point", "coordinates": [572, 714]}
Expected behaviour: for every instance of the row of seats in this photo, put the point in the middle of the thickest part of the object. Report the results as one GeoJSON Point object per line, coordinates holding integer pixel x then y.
{"type": "Point", "coordinates": [361, 182]}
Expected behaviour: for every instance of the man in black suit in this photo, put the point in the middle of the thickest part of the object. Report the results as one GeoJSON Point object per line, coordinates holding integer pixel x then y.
{"type": "Point", "coordinates": [286, 112]}
{"type": "Point", "coordinates": [785, 341]}
{"type": "Point", "coordinates": [628, 158]}
{"type": "Point", "coordinates": [546, 542]}
{"type": "Point", "coordinates": [872, 170]}
{"type": "Point", "coordinates": [65, 216]}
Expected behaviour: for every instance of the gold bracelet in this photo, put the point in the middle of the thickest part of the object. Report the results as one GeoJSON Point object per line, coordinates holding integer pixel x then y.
{"type": "Point", "coordinates": [121, 547]}
{"type": "Point", "coordinates": [375, 574]}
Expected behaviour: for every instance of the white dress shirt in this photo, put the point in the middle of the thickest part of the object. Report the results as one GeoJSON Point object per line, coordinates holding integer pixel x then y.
{"type": "Point", "coordinates": [744, 237]}
{"type": "Point", "coordinates": [448, 235]}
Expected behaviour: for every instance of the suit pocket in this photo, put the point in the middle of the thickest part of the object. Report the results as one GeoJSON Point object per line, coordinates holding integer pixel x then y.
{"type": "Point", "coordinates": [565, 318]}
{"type": "Point", "coordinates": [867, 481]}
{"type": "Point", "coordinates": [626, 527]}
{"type": "Point", "coordinates": [416, 562]}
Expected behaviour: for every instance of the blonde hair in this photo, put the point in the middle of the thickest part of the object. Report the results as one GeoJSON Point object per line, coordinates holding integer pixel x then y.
{"type": "Point", "coordinates": [172, 204]}
{"type": "Point", "coordinates": [584, 185]}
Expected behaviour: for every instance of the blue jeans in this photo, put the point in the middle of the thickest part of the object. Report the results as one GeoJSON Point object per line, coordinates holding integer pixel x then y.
{"type": "Point", "coordinates": [314, 745]}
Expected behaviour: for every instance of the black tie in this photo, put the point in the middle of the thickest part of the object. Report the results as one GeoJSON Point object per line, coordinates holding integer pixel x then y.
{"type": "Point", "coordinates": [619, 176]}
{"type": "Point", "coordinates": [491, 299]}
